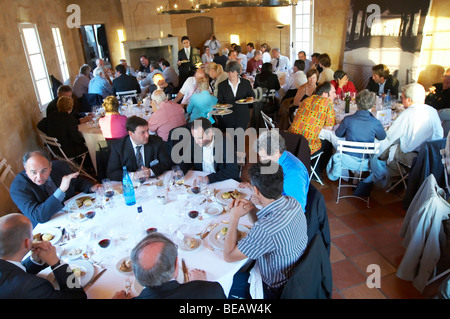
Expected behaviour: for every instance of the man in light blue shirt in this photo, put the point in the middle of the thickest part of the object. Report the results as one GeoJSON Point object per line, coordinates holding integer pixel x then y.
{"type": "Point", "coordinates": [270, 145]}
{"type": "Point", "coordinates": [99, 84]}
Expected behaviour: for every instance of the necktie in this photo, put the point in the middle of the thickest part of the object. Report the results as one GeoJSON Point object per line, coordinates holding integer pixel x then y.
{"type": "Point", "coordinates": [278, 63]}
{"type": "Point", "coordinates": [139, 160]}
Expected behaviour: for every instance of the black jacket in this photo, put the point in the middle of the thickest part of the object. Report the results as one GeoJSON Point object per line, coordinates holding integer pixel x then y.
{"type": "Point", "coordinates": [126, 83]}
{"type": "Point", "coordinates": [241, 114]}
{"type": "Point", "coordinates": [312, 277]}
{"type": "Point", "coordinates": [18, 284]}
{"type": "Point", "coordinates": [191, 290]}
{"type": "Point", "coordinates": [391, 84]}
{"type": "Point", "coordinates": [122, 154]}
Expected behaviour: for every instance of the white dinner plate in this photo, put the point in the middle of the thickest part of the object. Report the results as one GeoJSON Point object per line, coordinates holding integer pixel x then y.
{"type": "Point", "coordinates": [126, 273]}
{"type": "Point", "coordinates": [72, 205]}
{"type": "Point", "coordinates": [213, 209]}
{"type": "Point", "coordinates": [87, 272]}
{"type": "Point", "coordinates": [242, 101]}
{"type": "Point", "coordinates": [72, 251]}
{"type": "Point", "coordinates": [217, 239]}
{"type": "Point", "coordinates": [221, 112]}
{"type": "Point", "coordinates": [183, 246]}
{"type": "Point", "coordinates": [222, 106]}
{"type": "Point", "coordinates": [227, 201]}
{"type": "Point", "coordinates": [56, 232]}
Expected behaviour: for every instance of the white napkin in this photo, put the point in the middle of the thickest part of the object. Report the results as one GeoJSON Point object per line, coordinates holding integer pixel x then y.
{"type": "Point", "coordinates": [255, 281]}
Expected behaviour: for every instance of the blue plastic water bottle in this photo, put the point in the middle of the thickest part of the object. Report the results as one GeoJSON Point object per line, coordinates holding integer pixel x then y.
{"type": "Point", "coordinates": [387, 100]}
{"type": "Point", "coordinates": [128, 189]}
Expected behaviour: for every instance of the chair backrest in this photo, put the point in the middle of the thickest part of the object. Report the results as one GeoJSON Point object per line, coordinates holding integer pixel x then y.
{"type": "Point", "coordinates": [52, 144]}
{"type": "Point", "coordinates": [126, 94]}
{"type": "Point", "coordinates": [5, 170]}
{"type": "Point", "coordinates": [358, 147]}
{"type": "Point", "coordinates": [267, 121]}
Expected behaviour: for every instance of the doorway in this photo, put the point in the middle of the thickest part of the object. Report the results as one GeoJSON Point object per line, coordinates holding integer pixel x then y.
{"type": "Point", "coordinates": [95, 43]}
{"type": "Point", "coordinates": [199, 30]}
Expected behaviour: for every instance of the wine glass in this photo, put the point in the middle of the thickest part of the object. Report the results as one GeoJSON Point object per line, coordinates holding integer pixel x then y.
{"type": "Point", "coordinates": [178, 175]}
{"type": "Point", "coordinates": [73, 224]}
{"type": "Point", "coordinates": [108, 191]}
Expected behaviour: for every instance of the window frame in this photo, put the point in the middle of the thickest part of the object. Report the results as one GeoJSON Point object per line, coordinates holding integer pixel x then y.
{"type": "Point", "coordinates": [60, 48]}
{"type": "Point", "coordinates": [295, 29]}
{"type": "Point", "coordinates": [22, 26]}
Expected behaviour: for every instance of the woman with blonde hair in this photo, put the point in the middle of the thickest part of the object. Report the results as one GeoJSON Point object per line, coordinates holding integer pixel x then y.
{"type": "Point", "coordinates": [216, 73]}
{"type": "Point", "coordinates": [112, 124]}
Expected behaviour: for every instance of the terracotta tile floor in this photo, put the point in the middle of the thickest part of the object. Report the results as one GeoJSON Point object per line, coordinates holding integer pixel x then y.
{"type": "Point", "coordinates": [363, 236]}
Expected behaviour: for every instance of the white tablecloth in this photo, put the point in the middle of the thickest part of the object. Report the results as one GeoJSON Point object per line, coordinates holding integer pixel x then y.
{"type": "Point", "coordinates": [114, 223]}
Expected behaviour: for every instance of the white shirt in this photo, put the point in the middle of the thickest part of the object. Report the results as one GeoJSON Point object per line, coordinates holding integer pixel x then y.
{"type": "Point", "coordinates": [214, 46]}
{"type": "Point", "coordinates": [294, 81]}
{"type": "Point", "coordinates": [188, 52]}
{"type": "Point", "coordinates": [266, 57]}
{"type": "Point", "coordinates": [208, 158]}
{"type": "Point", "coordinates": [233, 88]}
{"type": "Point", "coordinates": [207, 58]}
{"type": "Point", "coordinates": [283, 66]}
{"type": "Point", "coordinates": [417, 124]}
{"type": "Point", "coordinates": [251, 54]}
{"type": "Point", "coordinates": [243, 58]}
{"type": "Point", "coordinates": [135, 152]}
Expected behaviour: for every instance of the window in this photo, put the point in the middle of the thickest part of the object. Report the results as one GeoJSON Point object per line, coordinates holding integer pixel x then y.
{"type": "Point", "coordinates": [302, 22]}
{"type": "Point", "coordinates": [36, 63]}
{"type": "Point", "coordinates": [60, 53]}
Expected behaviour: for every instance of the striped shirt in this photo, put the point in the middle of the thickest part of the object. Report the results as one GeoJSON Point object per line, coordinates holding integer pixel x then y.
{"type": "Point", "coordinates": [277, 240]}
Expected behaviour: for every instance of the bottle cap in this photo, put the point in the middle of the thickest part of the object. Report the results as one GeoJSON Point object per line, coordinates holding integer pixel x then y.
{"type": "Point", "coordinates": [139, 209]}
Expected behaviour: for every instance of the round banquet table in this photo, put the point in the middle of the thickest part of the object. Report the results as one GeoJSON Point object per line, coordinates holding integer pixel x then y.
{"type": "Point", "coordinates": [125, 227]}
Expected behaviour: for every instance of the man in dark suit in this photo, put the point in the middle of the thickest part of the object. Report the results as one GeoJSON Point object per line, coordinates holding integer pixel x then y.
{"type": "Point", "coordinates": [40, 190]}
{"type": "Point", "coordinates": [381, 81]}
{"type": "Point", "coordinates": [156, 267]}
{"type": "Point", "coordinates": [125, 82]}
{"type": "Point", "coordinates": [211, 152]}
{"type": "Point", "coordinates": [18, 278]}
{"type": "Point", "coordinates": [187, 58]}
{"type": "Point", "coordinates": [138, 150]}
{"type": "Point", "coordinates": [226, 95]}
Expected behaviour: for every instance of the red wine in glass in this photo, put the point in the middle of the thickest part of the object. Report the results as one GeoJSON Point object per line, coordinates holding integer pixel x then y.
{"type": "Point", "coordinates": [193, 214]}
{"type": "Point", "coordinates": [151, 230]}
{"type": "Point", "coordinates": [104, 243]}
{"type": "Point", "coordinates": [90, 214]}
{"type": "Point", "coordinates": [109, 194]}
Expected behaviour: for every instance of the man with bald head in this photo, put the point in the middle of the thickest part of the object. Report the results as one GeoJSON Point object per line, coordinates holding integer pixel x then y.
{"type": "Point", "coordinates": [156, 265]}
{"type": "Point", "coordinates": [18, 278]}
{"type": "Point", "coordinates": [39, 191]}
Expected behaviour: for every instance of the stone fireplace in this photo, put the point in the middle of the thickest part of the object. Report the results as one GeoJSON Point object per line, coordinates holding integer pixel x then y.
{"type": "Point", "coordinates": [154, 49]}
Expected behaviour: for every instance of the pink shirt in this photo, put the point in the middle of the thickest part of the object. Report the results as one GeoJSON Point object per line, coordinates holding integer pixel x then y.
{"type": "Point", "coordinates": [113, 125]}
{"type": "Point", "coordinates": [168, 116]}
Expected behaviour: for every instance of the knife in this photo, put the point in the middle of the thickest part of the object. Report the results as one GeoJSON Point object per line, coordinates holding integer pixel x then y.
{"type": "Point", "coordinates": [206, 233]}
{"type": "Point", "coordinates": [185, 271]}
{"type": "Point", "coordinates": [94, 279]}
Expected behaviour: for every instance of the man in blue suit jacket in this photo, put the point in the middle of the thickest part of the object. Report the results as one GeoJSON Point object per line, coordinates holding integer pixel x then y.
{"type": "Point", "coordinates": [40, 190]}
{"type": "Point", "coordinates": [18, 278]}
